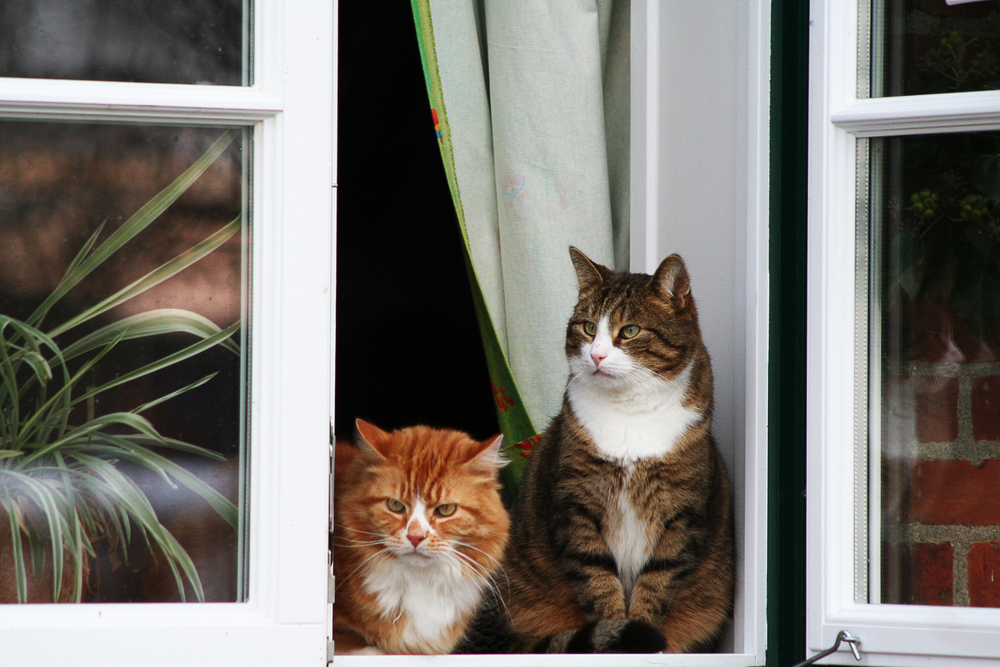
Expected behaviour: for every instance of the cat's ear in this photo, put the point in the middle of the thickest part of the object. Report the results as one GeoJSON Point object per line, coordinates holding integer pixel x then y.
{"type": "Point", "coordinates": [370, 438]}
{"type": "Point", "coordinates": [489, 458]}
{"type": "Point", "coordinates": [671, 278]}
{"type": "Point", "coordinates": [589, 275]}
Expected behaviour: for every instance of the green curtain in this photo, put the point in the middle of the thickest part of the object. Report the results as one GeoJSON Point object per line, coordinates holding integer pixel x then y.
{"type": "Point", "coordinates": [530, 102]}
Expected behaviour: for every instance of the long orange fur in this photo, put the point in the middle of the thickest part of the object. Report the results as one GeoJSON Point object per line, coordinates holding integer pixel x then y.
{"type": "Point", "coordinates": [440, 467]}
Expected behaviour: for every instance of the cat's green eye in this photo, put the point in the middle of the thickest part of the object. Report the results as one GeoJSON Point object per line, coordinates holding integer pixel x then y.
{"type": "Point", "coordinates": [446, 510]}
{"type": "Point", "coordinates": [395, 505]}
{"type": "Point", "coordinates": [589, 328]}
{"type": "Point", "coordinates": [630, 331]}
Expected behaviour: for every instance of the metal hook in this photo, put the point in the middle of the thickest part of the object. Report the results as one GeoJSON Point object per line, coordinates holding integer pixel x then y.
{"type": "Point", "coordinates": [842, 636]}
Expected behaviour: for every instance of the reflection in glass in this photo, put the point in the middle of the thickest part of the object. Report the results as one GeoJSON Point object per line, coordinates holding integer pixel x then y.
{"type": "Point", "coordinates": [125, 457]}
{"type": "Point", "coordinates": [936, 322]}
{"type": "Point", "coordinates": [150, 41]}
{"type": "Point", "coordinates": [929, 46]}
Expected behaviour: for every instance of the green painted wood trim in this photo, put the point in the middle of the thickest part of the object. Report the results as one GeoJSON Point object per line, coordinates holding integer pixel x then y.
{"type": "Point", "coordinates": [786, 566]}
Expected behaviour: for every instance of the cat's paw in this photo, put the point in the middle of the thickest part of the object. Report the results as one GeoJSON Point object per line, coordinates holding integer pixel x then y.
{"type": "Point", "coordinates": [368, 650]}
{"type": "Point", "coordinates": [639, 637]}
{"type": "Point", "coordinates": [607, 636]}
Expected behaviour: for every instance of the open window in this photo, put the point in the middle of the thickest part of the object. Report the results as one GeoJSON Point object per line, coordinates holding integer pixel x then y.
{"type": "Point", "coordinates": [182, 152]}
{"type": "Point", "coordinates": [699, 179]}
{"type": "Point", "coordinates": [902, 325]}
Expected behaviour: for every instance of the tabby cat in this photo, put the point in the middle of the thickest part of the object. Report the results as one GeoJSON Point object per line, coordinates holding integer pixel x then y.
{"type": "Point", "coordinates": [419, 530]}
{"type": "Point", "coordinates": [622, 523]}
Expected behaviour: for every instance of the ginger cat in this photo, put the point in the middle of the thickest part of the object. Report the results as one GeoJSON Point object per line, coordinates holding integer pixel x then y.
{"type": "Point", "coordinates": [419, 529]}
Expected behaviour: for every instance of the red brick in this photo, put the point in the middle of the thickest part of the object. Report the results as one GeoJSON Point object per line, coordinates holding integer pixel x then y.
{"type": "Point", "coordinates": [956, 493]}
{"type": "Point", "coordinates": [932, 574]}
{"type": "Point", "coordinates": [984, 574]}
{"type": "Point", "coordinates": [986, 408]}
{"type": "Point", "coordinates": [937, 408]}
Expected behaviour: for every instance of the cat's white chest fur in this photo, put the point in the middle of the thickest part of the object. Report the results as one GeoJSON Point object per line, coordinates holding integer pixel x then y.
{"type": "Point", "coordinates": [627, 538]}
{"type": "Point", "coordinates": [427, 599]}
{"type": "Point", "coordinates": [630, 421]}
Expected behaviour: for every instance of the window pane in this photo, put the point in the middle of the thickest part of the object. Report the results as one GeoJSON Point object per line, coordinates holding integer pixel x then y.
{"type": "Point", "coordinates": [930, 46]}
{"type": "Point", "coordinates": [122, 461]}
{"type": "Point", "coordinates": [152, 41]}
{"type": "Point", "coordinates": [936, 322]}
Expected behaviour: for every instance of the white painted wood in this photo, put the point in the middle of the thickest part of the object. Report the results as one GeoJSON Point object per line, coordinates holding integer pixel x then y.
{"type": "Point", "coordinates": [291, 110]}
{"type": "Point", "coordinates": [751, 316]}
{"type": "Point", "coordinates": [152, 634]}
{"type": "Point", "coordinates": [644, 129]}
{"type": "Point", "coordinates": [54, 99]}
{"type": "Point", "coordinates": [829, 425]}
{"type": "Point", "coordinates": [699, 186]}
{"type": "Point", "coordinates": [700, 144]}
{"type": "Point", "coordinates": [899, 635]}
{"type": "Point", "coordinates": [576, 660]}
{"type": "Point", "coordinates": [919, 114]}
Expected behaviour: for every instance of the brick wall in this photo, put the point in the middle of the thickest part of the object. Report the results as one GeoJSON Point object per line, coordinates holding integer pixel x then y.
{"type": "Point", "coordinates": [941, 491]}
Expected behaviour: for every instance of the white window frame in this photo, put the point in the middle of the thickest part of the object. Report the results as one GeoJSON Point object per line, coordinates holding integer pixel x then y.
{"type": "Point", "coordinates": [291, 109]}
{"type": "Point", "coordinates": [700, 97]}
{"type": "Point", "coordinates": [700, 188]}
{"type": "Point", "coordinates": [897, 635]}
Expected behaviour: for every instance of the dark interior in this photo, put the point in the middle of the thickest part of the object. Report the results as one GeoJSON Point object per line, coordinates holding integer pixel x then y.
{"type": "Point", "coordinates": [408, 348]}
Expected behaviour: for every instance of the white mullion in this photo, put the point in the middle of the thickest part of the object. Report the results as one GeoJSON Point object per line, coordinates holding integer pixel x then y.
{"type": "Point", "coordinates": [645, 140]}
{"type": "Point", "coordinates": [871, 224]}
{"type": "Point", "coordinates": [919, 114]}
{"type": "Point", "coordinates": [830, 323]}
{"type": "Point", "coordinates": [41, 99]}
{"type": "Point", "coordinates": [751, 637]}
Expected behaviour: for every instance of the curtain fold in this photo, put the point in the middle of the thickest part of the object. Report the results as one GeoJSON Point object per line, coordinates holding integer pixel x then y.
{"type": "Point", "coordinates": [530, 100]}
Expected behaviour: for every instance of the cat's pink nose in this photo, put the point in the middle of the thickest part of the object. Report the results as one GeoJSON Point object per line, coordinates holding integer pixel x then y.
{"type": "Point", "coordinates": [415, 539]}
{"type": "Point", "coordinates": [598, 357]}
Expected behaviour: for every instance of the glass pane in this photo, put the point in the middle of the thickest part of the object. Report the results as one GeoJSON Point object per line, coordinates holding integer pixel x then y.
{"type": "Point", "coordinates": [122, 422]}
{"type": "Point", "coordinates": [152, 41]}
{"type": "Point", "coordinates": [936, 333]}
{"type": "Point", "coordinates": [933, 46]}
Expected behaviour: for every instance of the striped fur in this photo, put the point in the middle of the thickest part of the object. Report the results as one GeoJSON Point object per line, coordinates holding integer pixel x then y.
{"type": "Point", "coordinates": [418, 535]}
{"type": "Point", "coordinates": [624, 512]}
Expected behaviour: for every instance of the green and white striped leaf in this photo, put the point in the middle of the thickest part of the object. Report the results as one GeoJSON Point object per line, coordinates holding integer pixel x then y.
{"type": "Point", "coordinates": [135, 224]}
{"type": "Point", "coordinates": [152, 323]}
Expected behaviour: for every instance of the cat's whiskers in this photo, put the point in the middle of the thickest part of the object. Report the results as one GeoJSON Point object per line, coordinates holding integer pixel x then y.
{"type": "Point", "coordinates": [345, 541]}
{"type": "Point", "coordinates": [485, 572]}
{"type": "Point", "coordinates": [469, 546]}
{"type": "Point", "coordinates": [467, 563]}
{"type": "Point", "coordinates": [355, 529]}
{"type": "Point", "coordinates": [382, 554]}
{"type": "Point", "coordinates": [490, 581]}
{"type": "Point", "coordinates": [350, 541]}
{"type": "Point", "coordinates": [485, 577]}
{"type": "Point", "coordinates": [644, 382]}
{"type": "Point", "coordinates": [634, 379]}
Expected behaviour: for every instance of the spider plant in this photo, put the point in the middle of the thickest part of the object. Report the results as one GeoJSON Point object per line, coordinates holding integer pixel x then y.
{"type": "Point", "coordinates": [61, 486]}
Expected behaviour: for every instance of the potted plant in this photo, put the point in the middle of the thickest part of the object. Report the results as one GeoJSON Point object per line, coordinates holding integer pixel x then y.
{"type": "Point", "coordinates": [62, 487]}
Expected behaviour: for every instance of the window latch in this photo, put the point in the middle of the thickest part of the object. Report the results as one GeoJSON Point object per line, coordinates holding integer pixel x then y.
{"type": "Point", "coordinates": [842, 636]}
